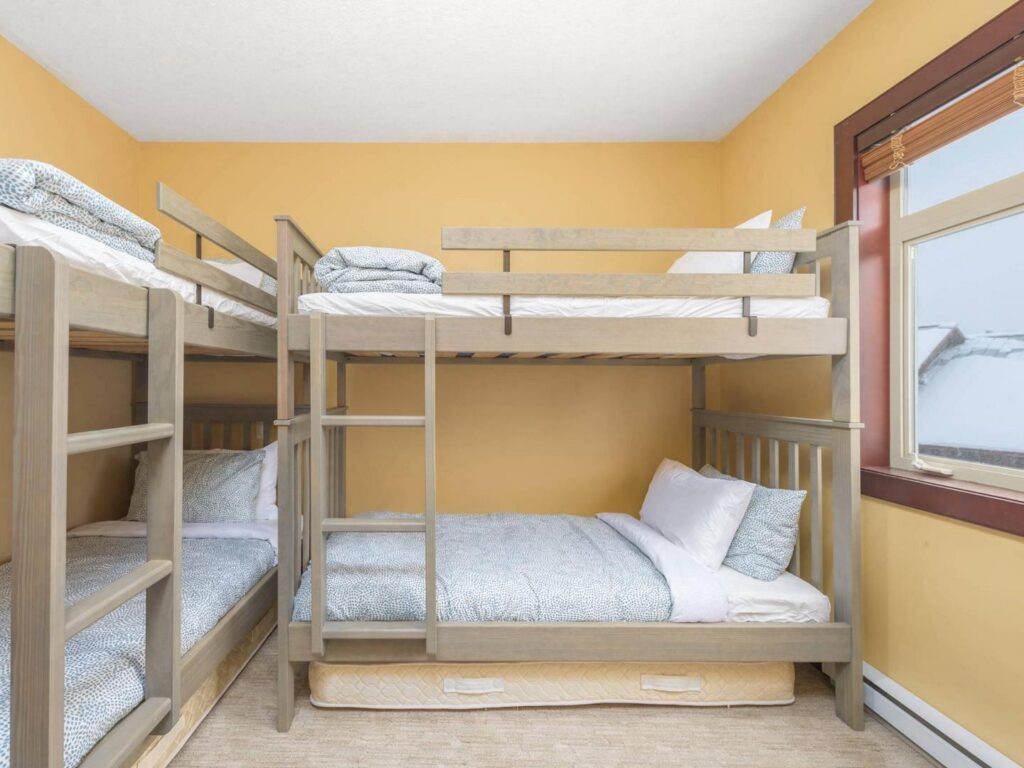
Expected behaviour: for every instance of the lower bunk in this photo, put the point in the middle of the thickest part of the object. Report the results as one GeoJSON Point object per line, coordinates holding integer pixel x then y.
{"type": "Point", "coordinates": [227, 603]}
{"type": "Point", "coordinates": [600, 594]}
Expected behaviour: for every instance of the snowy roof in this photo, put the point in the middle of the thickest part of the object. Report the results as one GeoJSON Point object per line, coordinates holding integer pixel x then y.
{"type": "Point", "coordinates": [970, 389]}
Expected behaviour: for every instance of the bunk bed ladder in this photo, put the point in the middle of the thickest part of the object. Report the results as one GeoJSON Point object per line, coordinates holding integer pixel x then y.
{"type": "Point", "coordinates": [321, 526]}
{"type": "Point", "coordinates": [41, 625]}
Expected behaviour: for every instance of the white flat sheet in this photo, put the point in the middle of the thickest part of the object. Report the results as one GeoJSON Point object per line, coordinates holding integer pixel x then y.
{"type": "Point", "coordinates": [17, 228]}
{"type": "Point", "coordinates": [697, 593]}
{"type": "Point", "coordinates": [265, 530]}
{"type": "Point", "coordinates": [411, 305]}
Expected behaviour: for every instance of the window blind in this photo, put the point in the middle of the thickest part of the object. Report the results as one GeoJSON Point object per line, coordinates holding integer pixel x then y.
{"type": "Point", "coordinates": [986, 105]}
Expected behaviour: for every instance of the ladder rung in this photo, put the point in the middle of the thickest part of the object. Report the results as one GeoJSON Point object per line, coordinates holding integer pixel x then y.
{"type": "Point", "coordinates": [374, 630]}
{"type": "Point", "coordinates": [99, 439]}
{"type": "Point", "coordinates": [99, 604]}
{"type": "Point", "coordinates": [122, 742]}
{"type": "Point", "coordinates": [373, 421]}
{"type": "Point", "coordinates": [358, 525]}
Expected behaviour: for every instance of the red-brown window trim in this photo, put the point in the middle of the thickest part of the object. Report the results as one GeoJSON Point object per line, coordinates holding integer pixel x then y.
{"type": "Point", "coordinates": [982, 54]}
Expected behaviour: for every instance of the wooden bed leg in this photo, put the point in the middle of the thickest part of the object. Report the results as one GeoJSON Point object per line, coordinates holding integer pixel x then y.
{"type": "Point", "coordinates": [285, 683]}
{"type": "Point", "coordinates": [39, 509]}
{"type": "Point", "coordinates": [286, 574]}
{"type": "Point", "coordinates": [846, 548]}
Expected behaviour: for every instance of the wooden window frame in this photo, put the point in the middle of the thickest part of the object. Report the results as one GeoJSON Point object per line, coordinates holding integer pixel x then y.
{"type": "Point", "coordinates": [990, 49]}
{"type": "Point", "coordinates": [995, 202]}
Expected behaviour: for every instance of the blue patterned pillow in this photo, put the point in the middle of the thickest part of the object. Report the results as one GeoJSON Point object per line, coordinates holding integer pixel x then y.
{"type": "Point", "coordinates": [764, 542]}
{"type": "Point", "coordinates": [778, 262]}
{"type": "Point", "coordinates": [217, 487]}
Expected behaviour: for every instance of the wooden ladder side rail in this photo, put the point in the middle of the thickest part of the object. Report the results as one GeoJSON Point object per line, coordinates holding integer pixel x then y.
{"type": "Point", "coordinates": [166, 382]}
{"type": "Point", "coordinates": [39, 509]}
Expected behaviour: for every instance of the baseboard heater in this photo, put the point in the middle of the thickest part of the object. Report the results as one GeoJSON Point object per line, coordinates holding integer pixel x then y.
{"type": "Point", "coordinates": [945, 741]}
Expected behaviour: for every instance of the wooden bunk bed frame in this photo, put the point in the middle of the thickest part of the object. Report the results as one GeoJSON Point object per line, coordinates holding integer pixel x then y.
{"type": "Point", "coordinates": [51, 311]}
{"type": "Point", "coordinates": [312, 483]}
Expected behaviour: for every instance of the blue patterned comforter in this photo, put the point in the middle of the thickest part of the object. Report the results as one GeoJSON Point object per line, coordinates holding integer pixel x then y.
{"type": "Point", "coordinates": [61, 199]}
{"type": "Point", "coordinates": [499, 567]}
{"type": "Point", "coordinates": [366, 269]}
{"type": "Point", "coordinates": [106, 662]}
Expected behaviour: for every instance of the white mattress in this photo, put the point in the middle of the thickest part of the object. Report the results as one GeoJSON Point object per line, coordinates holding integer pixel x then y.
{"type": "Point", "coordinates": [82, 252]}
{"type": "Point", "coordinates": [411, 305]}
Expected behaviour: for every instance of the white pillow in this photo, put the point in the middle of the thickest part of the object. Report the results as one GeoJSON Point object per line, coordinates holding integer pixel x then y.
{"type": "Point", "coordinates": [700, 513]}
{"type": "Point", "coordinates": [247, 273]}
{"type": "Point", "coordinates": [719, 262]}
{"type": "Point", "coordinates": [243, 270]}
{"type": "Point", "coordinates": [266, 501]}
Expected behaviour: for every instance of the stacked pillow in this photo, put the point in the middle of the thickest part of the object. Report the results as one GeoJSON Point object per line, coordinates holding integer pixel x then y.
{"type": "Point", "coordinates": [218, 486]}
{"type": "Point", "coordinates": [731, 262]}
{"type": "Point", "coordinates": [721, 520]}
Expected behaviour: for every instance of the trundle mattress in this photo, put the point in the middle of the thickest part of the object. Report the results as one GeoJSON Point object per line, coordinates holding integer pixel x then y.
{"type": "Point", "coordinates": [548, 684]}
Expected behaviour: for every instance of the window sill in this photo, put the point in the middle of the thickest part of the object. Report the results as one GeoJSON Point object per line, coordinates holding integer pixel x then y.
{"type": "Point", "coordinates": [983, 505]}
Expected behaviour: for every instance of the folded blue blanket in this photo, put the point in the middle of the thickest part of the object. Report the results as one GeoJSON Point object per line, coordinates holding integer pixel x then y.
{"type": "Point", "coordinates": [59, 198]}
{"type": "Point", "coordinates": [365, 269]}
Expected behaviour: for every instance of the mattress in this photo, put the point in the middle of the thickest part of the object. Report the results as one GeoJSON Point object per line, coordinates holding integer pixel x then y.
{"type": "Point", "coordinates": [82, 252]}
{"type": "Point", "coordinates": [485, 686]}
{"type": "Point", "coordinates": [412, 305]}
{"type": "Point", "coordinates": [105, 663]}
{"type": "Point", "coordinates": [509, 567]}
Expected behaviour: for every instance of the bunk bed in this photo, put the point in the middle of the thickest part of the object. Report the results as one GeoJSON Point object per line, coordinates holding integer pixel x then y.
{"type": "Point", "coordinates": [61, 296]}
{"type": "Point", "coordinates": [316, 328]}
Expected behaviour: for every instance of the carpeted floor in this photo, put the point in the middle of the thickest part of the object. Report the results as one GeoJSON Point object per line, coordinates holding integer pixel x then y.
{"type": "Point", "coordinates": [240, 732]}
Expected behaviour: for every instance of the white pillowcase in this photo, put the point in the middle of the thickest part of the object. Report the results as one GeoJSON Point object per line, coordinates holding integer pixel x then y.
{"type": "Point", "coordinates": [700, 513]}
{"type": "Point", "coordinates": [243, 270]}
{"type": "Point", "coordinates": [266, 501]}
{"type": "Point", "coordinates": [719, 262]}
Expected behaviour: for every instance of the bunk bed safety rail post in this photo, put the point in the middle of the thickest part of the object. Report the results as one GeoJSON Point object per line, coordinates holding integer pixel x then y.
{"type": "Point", "coordinates": [297, 254]}
{"type": "Point", "coordinates": [195, 270]}
{"type": "Point", "coordinates": [40, 623]}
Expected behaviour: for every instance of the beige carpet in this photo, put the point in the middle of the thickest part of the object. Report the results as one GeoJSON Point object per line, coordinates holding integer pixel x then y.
{"type": "Point", "coordinates": [240, 732]}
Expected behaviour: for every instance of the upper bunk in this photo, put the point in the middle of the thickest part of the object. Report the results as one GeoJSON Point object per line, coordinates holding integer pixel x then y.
{"type": "Point", "coordinates": [228, 313]}
{"type": "Point", "coordinates": [591, 318]}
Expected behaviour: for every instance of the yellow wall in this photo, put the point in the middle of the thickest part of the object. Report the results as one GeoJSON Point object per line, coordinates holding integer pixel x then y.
{"type": "Point", "coordinates": [574, 440]}
{"type": "Point", "coordinates": [44, 120]}
{"type": "Point", "coordinates": [944, 607]}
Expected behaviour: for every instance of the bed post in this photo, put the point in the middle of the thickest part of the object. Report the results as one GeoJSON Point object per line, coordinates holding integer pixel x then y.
{"type": "Point", "coordinates": [39, 509]}
{"type": "Point", "coordinates": [286, 520]}
{"type": "Point", "coordinates": [165, 399]}
{"type": "Point", "coordinates": [698, 402]}
{"type": "Point", "coordinates": [842, 243]}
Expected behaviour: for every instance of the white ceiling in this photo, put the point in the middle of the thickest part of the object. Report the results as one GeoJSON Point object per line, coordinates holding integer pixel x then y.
{"type": "Point", "coordinates": [424, 70]}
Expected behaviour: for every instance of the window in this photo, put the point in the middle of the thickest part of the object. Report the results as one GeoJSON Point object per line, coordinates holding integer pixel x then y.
{"type": "Point", "coordinates": [957, 315]}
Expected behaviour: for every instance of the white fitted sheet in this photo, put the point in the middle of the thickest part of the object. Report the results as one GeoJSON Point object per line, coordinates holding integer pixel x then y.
{"type": "Point", "coordinates": [412, 305]}
{"type": "Point", "coordinates": [82, 252]}
{"type": "Point", "coordinates": [789, 598]}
